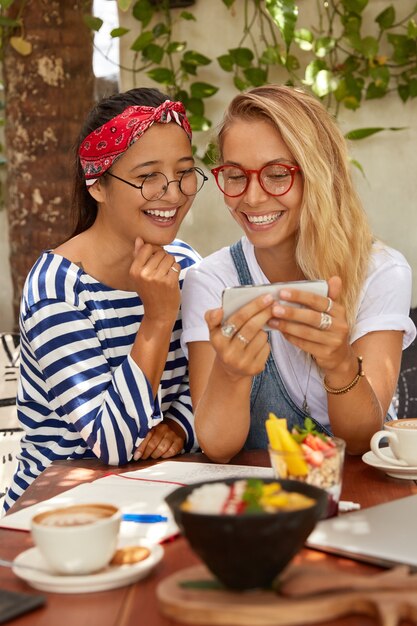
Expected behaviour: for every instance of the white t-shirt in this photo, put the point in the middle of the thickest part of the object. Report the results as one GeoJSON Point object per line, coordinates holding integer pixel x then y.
{"type": "Point", "coordinates": [384, 304]}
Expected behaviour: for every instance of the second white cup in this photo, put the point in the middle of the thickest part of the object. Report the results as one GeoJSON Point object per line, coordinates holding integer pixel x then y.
{"type": "Point", "coordinates": [402, 439]}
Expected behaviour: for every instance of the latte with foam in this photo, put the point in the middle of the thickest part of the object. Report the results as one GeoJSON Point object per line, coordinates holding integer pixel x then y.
{"type": "Point", "coordinates": [77, 515]}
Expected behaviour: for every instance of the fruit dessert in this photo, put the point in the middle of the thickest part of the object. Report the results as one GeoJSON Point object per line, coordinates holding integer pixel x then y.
{"type": "Point", "coordinates": [306, 454]}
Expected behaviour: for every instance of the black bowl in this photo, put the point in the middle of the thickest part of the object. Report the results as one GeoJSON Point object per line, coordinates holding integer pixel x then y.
{"type": "Point", "coordinates": [248, 551]}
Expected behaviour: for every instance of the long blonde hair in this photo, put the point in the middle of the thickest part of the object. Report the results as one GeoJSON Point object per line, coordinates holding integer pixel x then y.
{"type": "Point", "coordinates": [334, 236]}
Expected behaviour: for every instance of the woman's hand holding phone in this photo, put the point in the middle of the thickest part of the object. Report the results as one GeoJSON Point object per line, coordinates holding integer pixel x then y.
{"type": "Point", "coordinates": [240, 342]}
{"type": "Point", "coordinates": [318, 326]}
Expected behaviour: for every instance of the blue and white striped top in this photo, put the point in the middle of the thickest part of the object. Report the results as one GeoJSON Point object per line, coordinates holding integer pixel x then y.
{"type": "Point", "coordinates": [80, 393]}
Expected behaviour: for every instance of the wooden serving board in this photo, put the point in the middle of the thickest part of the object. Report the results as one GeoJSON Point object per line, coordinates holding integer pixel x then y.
{"type": "Point", "coordinates": [266, 608]}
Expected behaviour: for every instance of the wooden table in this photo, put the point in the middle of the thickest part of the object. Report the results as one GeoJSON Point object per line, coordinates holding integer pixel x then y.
{"type": "Point", "coordinates": [136, 605]}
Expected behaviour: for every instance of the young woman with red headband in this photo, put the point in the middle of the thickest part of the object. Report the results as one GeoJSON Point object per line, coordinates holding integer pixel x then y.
{"type": "Point", "coordinates": [103, 373]}
{"type": "Point", "coordinates": [285, 176]}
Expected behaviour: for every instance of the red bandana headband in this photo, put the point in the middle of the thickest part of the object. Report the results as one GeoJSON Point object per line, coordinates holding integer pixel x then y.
{"type": "Point", "coordinates": [101, 148]}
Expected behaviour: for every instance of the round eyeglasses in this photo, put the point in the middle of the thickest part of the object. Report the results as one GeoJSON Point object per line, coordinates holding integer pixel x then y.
{"type": "Point", "coordinates": [155, 185]}
{"type": "Point", "coordinates": [275, 178]}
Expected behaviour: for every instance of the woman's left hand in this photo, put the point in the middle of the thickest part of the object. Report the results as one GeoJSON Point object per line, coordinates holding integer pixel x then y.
{"type": "Point", "coordinates": [319, 327]}
{"type": "Point", "coordinates": [162, 441]}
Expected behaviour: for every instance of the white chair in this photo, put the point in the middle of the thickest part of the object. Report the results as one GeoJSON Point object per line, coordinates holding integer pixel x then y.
{"type": "Point", "coordinates": [10, 431]}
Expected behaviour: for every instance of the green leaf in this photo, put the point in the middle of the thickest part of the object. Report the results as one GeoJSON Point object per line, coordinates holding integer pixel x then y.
{"type": "Point", "coordinates": [355, 6]}
{"type": "Point", "coordinates": [203, 90]}
{"type": "Point", "coordinates": [404, 92]}
{"type": "Point", "coordinates": [162, 75]}
{"type": "Point", "coordinates": [186, 15]}
{"type": "Point", "coordinates": [412, 29]}
{"type": "Point", "coordinates": [240, 84]}
{"type": "Point", "coordinates": [176, 46]}
{"type": "Point", "coordinates": [256, 76]}
{"type": "Point", "coordinates": [142, 41]}
{"type": "Point", "coordinates": [210, 155]}
{"type": "Point", "coordinates": [160, 29]}
{"type": "Point", "coordinates": [271, 56]}
{"type": "Point", "coordinates": [229, 3]}
{"type": "Point", "coordinates": [403, 47]}
{"type": "Point", "coordinates": [324, 83]}
{"type": "Point", "coordinates": [124, 5]}
{"type": "Point", "coordinates": [304, 38]}
{"type": "Point", "coordinates": [143, 12]}
{"type": "Point", "coordinates": [323, 45]}
{"type": "Point", "coordinates": [198, 122]}
{"type": "Point", "coordinates": [195, 58]}
{"type": "Point", "coordinates": [119, 32]}
{"type": "Point", "coordinates": [380, 75]}
{"type": "Point", "coordinates": [94, 23]}
{"type": "Point", "coordinates": [386, 18]}
{"type": "Point", "coordinates": [154, 53]}
{"type": "Point", "coordinates": [196, 106]}
{"type": "Point", "coordinates": [188, 68]}
{"type": "Point", "coordinates": [413, 87]}
{"type": "Point", "coordinates": [243, 57]}
{"type": "Point", "coordinates": [292, 63]}
{"type": "Point", "coordinates": [358, 165]}
{"type": "Point", "coordinates": [9, 22]}
{"type": "Point", "coordinates": [284, 14]}
{"type": "Point", "coordinates": [369, 47]}
{"type": "Point", "coordinates": [362, 133]}
{"type": "Point", "coordinates": [312, 69]}
{"type": "Point", "coordinates": [352, 26]}
{"type": "Point", "coordinates": [374, 91]}
{"type": "Point", "coordinates": [226, 62]}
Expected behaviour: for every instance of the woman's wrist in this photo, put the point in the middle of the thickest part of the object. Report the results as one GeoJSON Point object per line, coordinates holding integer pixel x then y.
{"type": "Point", "coordinates": [342, 375]}
{"type": "Point", "coordinates": [346, 388]}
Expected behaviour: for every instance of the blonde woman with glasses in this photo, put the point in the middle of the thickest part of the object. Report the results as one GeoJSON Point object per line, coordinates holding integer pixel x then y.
{"type": "Point", "coordinates": [285, 176]}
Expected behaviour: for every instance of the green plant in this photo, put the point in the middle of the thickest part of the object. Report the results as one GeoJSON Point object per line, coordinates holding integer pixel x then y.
{"type": "Point", "coordinates": [341, 58]}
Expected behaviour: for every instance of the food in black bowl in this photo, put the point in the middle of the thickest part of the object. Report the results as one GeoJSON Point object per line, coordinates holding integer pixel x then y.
{"type": "Point", "coordinates": [247, 530]}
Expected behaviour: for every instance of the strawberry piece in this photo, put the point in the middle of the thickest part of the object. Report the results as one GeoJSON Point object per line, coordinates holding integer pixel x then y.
{"type": "Point", "coordinates": [313, 457]}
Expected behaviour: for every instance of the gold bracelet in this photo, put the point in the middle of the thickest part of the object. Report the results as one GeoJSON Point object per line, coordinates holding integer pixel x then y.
{"type": "Point", "coordinates": [350, 385]}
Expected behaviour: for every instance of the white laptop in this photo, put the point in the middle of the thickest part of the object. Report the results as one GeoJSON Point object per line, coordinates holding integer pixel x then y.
{"type": "Point", "coordinates": [385, 534]}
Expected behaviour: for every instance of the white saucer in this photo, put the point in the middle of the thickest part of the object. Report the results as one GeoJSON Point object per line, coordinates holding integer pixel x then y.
{"type": "Point", "coordinates": [109, 578]}
{"type": "Point", "coordinates": [396, 471]}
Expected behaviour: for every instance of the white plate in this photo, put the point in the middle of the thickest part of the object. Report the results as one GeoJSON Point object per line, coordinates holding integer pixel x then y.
{"type": "Point", "coordinates": [396, 471]}
{"type": "Point", "coordinates": [109, 578]}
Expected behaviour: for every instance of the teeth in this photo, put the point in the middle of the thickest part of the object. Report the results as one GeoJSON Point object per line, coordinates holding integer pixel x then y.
{"type": "Point", "coordinates": [264, 219]}
{"type": "Point", "coordinates": [164, 214]}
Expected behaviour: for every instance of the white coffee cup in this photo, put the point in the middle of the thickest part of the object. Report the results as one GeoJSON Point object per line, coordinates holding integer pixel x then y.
{"type": "Point", "coordinates": [402, 439]}
{"type": "Point", "coordinates": [78, 539]}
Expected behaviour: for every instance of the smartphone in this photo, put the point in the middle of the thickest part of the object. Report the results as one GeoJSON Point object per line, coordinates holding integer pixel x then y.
{"type": "Point", "coordinates": [233, 298]}
{"type": "Point", "coordinates": [15, 603]}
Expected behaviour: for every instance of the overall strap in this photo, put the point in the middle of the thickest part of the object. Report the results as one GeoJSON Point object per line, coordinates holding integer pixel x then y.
{"type": "Point", "coordinates": [242, 267]}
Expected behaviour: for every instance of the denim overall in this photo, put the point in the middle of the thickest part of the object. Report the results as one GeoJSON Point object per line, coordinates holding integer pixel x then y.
{"type": "Point", "coordinates": [268, 391]}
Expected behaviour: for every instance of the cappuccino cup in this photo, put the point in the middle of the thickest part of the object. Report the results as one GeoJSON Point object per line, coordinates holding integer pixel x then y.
{"type": "Point", "coordinates": [402, 439]}
{"type": "Point", "coordinates": [78, 539]}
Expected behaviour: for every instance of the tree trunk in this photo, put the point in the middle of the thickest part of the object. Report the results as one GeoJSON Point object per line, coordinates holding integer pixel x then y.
{"type": "Point", "coordinates": [47, 94]}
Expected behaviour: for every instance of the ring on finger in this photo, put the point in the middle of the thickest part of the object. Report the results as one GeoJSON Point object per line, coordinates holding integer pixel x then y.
{"type": "Point", "coordinates": [329, 305]}
{"type": "Point", "coordinates": [325, 321]}
{"type": "Point", "coordinates": [228, 330]}
{"type": "Point", "coordinates": [242, 339]}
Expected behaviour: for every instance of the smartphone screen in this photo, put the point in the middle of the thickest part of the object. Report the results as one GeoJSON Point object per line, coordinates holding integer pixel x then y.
{"type": "Point", "coordinates": [233, 298]}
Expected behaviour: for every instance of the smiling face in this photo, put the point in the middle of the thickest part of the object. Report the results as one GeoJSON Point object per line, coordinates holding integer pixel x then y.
{"type": "Point", "coordinates": [123, 210]}
{"type": "Point", "coordinates": [268, 221]}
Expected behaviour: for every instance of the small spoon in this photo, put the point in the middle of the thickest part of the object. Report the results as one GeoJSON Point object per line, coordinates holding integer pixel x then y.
{"type": "Point", "coordinates": [11, 564]}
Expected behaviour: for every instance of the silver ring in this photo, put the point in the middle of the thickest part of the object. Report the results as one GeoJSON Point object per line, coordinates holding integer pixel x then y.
{"type": "Point", "coordinates": [329, 306]}
{"type": "Point", "coordinates": [242, 339]}
{"type": "Point", "coordinates": [325, 321]}
{"type": "Point", "coordinates": [174, 269]}
{"type": "Point", "coordinates": [228, 330]}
